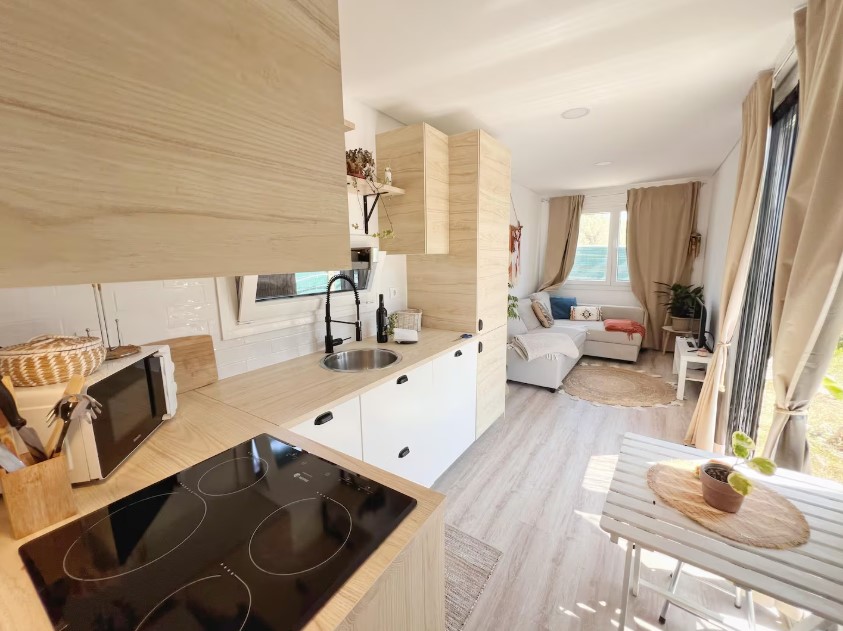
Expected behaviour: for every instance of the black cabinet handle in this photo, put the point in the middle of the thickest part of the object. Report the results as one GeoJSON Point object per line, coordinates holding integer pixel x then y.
{"type": "Point", "coordinates": [480, 325]}
{"type": "Point", "coordinates": [458, 354]}
{"type": "Point", "coordinates": [324, 418]}
{"type": "Point", "coordinates": [404, 452]}
{"type": "Point", "coordinates": [402, 379]}
{"type": "Point", "coordinates": [479, 347]}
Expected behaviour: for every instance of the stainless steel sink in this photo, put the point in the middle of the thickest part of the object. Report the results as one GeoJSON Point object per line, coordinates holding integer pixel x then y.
{"type": "Point", "coordinates": [360, 360]}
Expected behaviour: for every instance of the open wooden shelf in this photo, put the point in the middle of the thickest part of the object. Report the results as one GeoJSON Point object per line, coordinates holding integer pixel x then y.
{"type": "Point", "coordinates": [364, 187]}
{"type": "Point", "coordinates": [349, 126]}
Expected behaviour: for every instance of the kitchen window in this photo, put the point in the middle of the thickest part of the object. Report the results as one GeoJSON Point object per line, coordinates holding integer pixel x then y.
{"type": "Point", "coordinates": [601, 256]}
{"type": "Point", "coordinates": [267, 302]}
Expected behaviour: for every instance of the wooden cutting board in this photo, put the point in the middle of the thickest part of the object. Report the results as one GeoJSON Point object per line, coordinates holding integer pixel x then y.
{"type": "Point", "coordinates": [196, 364]}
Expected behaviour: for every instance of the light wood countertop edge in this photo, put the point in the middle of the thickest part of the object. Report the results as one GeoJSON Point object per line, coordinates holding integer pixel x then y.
{"type": "Point", "coordinates": [203, 428]}
{"type": "Point", "coordinates": [308, 388]}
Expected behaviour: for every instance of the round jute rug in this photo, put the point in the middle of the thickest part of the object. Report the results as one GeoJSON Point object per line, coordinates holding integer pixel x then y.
{"type": "Point", "coordinates": [622, 387]}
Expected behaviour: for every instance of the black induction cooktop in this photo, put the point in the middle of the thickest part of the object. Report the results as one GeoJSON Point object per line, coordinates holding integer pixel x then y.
{"type": "Point", "coordinates": [258, 537]}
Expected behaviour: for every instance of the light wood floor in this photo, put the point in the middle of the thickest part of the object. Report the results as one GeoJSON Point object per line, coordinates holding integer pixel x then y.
{"type": "Point", "coordinates": [533, 486]}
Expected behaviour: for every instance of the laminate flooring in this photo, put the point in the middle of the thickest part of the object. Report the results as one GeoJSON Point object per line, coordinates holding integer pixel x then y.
{"type": "Point", "coordinates": [533, 486]}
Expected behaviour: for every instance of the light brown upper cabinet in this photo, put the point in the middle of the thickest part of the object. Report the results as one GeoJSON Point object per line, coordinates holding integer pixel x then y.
{"type": "Point", "coordinates": [418, 158]}
{"type": "Point", "coordinates": [466, 289]}
{"type": "Point", "coordinates": [169, 139]}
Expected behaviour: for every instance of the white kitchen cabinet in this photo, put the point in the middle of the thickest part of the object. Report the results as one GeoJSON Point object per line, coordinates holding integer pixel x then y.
{"type": "Point", "coordinates": [337, 427]}
{"type": "Point", "coordinates": [452, 425]}
{"type": "Point", "coordinates": [395, 418]}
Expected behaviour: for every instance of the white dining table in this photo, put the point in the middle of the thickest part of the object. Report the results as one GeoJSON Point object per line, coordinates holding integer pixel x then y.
{"type": "Point", "coordinates": [809, 576]}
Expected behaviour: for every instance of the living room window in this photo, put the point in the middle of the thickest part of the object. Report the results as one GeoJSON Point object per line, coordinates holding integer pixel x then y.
{"type": "Point", "coordinates": [601, 257]}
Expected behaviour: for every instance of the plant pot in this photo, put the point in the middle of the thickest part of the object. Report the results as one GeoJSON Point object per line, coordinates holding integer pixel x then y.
{"type": "Point", "coordinates": [716, 492]}
{"type": "Point", "coordinates": [682, 324]}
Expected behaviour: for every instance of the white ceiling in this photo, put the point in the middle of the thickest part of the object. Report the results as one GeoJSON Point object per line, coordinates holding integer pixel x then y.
{"type": "Point", "coordinates": [664, 79]}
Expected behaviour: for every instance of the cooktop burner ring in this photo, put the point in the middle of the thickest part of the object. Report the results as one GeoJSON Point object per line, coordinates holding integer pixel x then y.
{"type": "Point", "coordinates": [199, 580]}
{"type": "Point", "coordinates": [313, 567]}
{"type": "Point", "coordinates": [264, 469]}
{"type": "Point", "coordinates": [148, 563]}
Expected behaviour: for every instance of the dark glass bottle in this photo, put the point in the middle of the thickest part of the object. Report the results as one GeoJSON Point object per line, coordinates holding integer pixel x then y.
{"type": "Point", "coordinates": [381, 320]}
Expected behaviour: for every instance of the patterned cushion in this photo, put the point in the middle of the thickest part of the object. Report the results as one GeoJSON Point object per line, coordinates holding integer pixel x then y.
{"type": "Point", "coordinates": [544, 298]}
{"type": "Point", "coordinates": [560, 307]}
{"type": "Point", "coordinates": [586, 313]}
{"type": "Point", "coordinates": [543, 314]}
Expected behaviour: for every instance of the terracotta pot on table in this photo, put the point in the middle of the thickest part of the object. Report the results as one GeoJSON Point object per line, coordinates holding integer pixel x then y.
{"type": "Point", "coordinates": [716, 493]}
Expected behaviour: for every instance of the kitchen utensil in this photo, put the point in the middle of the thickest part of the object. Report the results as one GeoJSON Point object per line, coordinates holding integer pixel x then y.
{"type": "Point", "coordinates": [113, 352]}
{"type": "Point", "coordinates": [9, 409]}
{"type": "Point", "coordinates": [71, 408]}
{"type": "Point", "coordinates": [73, 387]}
{"type": "Point", "coordinates": [9, 461]}
{"type": "Point", "coordinates": [196, 364]}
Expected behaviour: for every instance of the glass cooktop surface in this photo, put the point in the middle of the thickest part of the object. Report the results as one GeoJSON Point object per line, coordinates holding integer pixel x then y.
{"type": "Point", "coordinates": [256, 538]}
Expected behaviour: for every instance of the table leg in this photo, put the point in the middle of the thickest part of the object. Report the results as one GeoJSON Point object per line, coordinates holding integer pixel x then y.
{"type": "Point", "coordinates": [636, 570]}
{"type": "Point", "coordinates": [750, 610]}
{"type": "Point", "coordinates": [665, 340]}
{"type": "Point", "coordinates": [674, 581]}
{"type": "Point", "coordinates": [627, 573]}
{"type": "Point", "coordinates": [680, 386]}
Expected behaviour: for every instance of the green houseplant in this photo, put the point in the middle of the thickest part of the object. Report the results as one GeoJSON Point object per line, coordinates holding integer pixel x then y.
{"type": "Point", "coordinates": [725, 488]}
{"type": "Point", "coordinates": [681, 302]}
{"type": "Point", "coordinates": [511, 305]}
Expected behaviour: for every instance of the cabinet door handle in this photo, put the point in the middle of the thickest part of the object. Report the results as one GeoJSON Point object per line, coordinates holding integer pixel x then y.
{"type": "Point", "coordinates": [402, 379]}
{"type": "Point", "coordinates": [324, 418]}
{"type": "Point", "coordinates": [480, 325]}
{"type": "Point", "coordinates": [404, 452]}
{"type": "Point", "coordinates": [458, 354]}
{"type": "Point", "coordinates": [479, 347]}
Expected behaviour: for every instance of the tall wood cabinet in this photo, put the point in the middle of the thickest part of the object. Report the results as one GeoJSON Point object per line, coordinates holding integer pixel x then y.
{"type": "Point", "coordinates": [466, 289]}
{"type": "Point", "coordinates": [417, 155]}
{"type": "Point", "coordinates": [169, 139]}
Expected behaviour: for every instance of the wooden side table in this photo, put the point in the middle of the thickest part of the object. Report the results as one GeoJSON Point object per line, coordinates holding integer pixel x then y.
{"type": "Point", "coordinates": [686, 353]}
{"type": "Point", "coordinates": [667, 331]}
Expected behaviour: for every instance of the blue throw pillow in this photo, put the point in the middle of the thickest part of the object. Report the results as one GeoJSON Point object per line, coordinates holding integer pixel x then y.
{"type": "Point", "coordinates": [561, 307]}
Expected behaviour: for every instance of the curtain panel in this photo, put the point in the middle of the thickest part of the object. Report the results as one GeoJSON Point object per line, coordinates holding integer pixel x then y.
{"type": "Point", "coordinates": [660, 221]}
{"type": "Point", "coordinates": [807, 311]}
{"type": "Point", "coordinates": [707, 430]}
{"type": "Point", "coordinates": [563, 226]}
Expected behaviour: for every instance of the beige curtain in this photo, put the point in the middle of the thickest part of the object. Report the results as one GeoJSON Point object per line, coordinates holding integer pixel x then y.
{"type": "Point", "coordinates": [807, 295]}
{"type": "Point", "coordinates": [707, 430]}
{"type": "Point", "coordinates": [563, 226]}
{"type": "Point", "coordinates": [659, 226]}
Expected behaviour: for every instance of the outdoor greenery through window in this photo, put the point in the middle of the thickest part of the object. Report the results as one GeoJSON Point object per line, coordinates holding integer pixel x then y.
{"type": "Point", "coordinates": [601, 249]}
{"type": "Point", "coordinates": [274, 286]}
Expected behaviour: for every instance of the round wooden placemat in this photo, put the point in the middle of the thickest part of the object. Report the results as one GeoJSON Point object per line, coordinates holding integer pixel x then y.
{"type": "Point", "coordinates": [766, 519]}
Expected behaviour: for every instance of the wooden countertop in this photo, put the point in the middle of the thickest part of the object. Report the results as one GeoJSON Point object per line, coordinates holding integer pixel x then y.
{"type": "Point", "coordinates": [202, 428]}
{"type": "Point", "coordinates": [289, 393]}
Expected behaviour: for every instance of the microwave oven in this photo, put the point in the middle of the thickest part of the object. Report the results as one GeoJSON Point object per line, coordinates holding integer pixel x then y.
{"type": "Point", "coordinates": [137, 394]}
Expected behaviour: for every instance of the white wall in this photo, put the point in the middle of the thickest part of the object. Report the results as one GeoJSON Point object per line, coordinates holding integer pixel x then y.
{"type": "Point", "coordinates": [620, 295]}
{"type": "Point", "coordinates": [724, 185]}
{"type": "Point", "coordinates": [158, 310]}
{"type": "Point", "coordinates": [532, 213]}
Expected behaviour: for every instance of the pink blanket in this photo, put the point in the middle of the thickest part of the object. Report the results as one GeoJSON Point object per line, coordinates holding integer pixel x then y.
{"type": "Point", "coordinates": [630, 327]}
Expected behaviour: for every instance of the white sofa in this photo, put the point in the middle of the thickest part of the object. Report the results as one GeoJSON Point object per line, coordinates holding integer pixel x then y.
{"type": "Point", "coordinates": [591, 339]}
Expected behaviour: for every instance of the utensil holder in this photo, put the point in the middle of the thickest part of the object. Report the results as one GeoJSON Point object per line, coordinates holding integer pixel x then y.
{"type": "Point", "coordinates": [38, 496]}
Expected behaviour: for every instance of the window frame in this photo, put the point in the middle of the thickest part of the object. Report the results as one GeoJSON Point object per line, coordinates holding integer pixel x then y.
{"type": "Point", "coordinates": [611, 281]}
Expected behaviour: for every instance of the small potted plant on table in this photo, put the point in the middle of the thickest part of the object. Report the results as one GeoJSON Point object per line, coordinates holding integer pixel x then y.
{"type": "Point", "coordinates": [682, 304]}
{"type": "Point", "coordinates": [723, 487]}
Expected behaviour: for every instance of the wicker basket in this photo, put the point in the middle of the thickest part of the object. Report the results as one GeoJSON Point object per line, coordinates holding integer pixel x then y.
{"type": "Point", "coordinates": [51, 359]}
{"type": "Point", "coordinates": [408, 319]}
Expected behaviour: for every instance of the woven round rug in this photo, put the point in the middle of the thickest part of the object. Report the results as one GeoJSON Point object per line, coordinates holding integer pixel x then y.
{"type": "Point", "coordinates": [766, 519]}
{"type": "Point", "coordinates": [620, 387]}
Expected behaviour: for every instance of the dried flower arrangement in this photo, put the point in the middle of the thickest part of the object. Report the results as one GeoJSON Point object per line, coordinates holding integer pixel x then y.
{"type": "Point", "coordinates": [360, 163]}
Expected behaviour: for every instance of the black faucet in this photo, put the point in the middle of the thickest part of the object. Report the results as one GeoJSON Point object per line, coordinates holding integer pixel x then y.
{"type": "Point", "coordinates": [330, 342]}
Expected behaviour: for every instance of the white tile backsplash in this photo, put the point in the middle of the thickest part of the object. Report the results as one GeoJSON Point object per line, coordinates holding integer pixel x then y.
{"type": "Point", "coordinates": [158, 310]}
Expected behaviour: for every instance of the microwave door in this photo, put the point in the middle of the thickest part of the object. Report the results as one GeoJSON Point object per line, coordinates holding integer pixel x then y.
{"type": "Point", "coordinates": [133, 406]}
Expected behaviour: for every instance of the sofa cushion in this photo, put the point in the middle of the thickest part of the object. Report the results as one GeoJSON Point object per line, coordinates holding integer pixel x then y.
{"type": "Point", "coordinates": [586, 313]}
{"type": "Point", "coordinates": [578, 334]}
{"type": "Point", "coordinates": [560, 307]}
{"type": "Point", "coordinates": [515, 326]}
{"type": "Point", "coordinates": [544, 298]}
{"type": "Point", "coordinates": [612, 337]}
{"type": "Point", "coordinates": [525, 310]}
{"type": "Point", "coordinates": [543, 314]}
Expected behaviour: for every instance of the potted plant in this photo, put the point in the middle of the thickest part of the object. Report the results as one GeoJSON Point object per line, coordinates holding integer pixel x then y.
{"type": "Point", "coordinates": [511, 305]}
{"type": "Point", "coordinates": [682, 304]}
{"type": "Point", "coordinates": [723, 487]}
{"type": "Point", "coordinates": [360, 163]}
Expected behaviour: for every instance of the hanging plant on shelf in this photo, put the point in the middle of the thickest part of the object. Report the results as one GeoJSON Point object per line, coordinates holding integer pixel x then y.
{"type": "Point", "coordinates": [360, 163]}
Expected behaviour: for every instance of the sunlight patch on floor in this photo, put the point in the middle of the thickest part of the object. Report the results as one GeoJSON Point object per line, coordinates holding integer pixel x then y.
{"type": "Point", "coordinates": [598, 474]}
